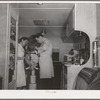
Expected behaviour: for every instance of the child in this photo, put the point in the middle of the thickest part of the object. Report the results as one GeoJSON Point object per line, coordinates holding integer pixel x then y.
{"type": "Point", "coordinates": [31, 58]}
{"type": "Point", "coordinates": [34, 60]}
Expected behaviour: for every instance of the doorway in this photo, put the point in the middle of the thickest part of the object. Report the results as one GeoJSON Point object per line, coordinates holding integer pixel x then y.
{"type": "Point", "coordinates": [34, 18]}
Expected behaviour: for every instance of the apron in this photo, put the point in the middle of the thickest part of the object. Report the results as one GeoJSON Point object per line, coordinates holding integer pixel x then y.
{"type": "Point", "coordinates": [21, 78]}
{"type": "Point", "coordinates": [45, 60]}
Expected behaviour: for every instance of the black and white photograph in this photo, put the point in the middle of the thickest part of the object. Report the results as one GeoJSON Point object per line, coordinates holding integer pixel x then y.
{"type": "Point", "coordinates": [49, 46]}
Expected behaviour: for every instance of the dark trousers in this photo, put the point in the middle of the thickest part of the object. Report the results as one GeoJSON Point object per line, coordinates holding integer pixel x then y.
{"type": "Point", "coordinates": [45, 83]}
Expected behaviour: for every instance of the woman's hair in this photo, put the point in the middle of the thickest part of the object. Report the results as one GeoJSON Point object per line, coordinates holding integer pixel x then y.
{"type": "Point", "coordinates": [23, 38]}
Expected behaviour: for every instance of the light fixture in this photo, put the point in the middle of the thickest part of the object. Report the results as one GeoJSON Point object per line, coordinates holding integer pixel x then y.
{"type": "Point", "coordinates": [43, 32]}
{"type": "Point", "coordinates": [41, 22]}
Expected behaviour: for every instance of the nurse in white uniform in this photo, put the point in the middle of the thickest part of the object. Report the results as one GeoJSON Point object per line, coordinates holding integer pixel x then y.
{"type": "Point", "coordinates": [21, 79]}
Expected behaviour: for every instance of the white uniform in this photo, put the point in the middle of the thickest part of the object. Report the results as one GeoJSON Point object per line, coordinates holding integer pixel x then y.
{"type": "Point", "coordinates": [21, 79]}
{"type": "Point", "coordinates": [45, 60]}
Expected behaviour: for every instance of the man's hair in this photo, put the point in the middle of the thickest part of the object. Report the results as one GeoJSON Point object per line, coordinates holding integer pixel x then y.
{"type": "Point", "coordinates": [38, 35]}
{"type": "Point", "coordinates": [23, 38]}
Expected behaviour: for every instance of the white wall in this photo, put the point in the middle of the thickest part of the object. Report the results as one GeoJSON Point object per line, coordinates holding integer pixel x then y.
{"type": "Point", "coordinates": [3, 31]}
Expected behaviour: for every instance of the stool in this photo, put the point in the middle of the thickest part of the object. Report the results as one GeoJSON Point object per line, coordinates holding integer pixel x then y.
{"type": "Point", "coordinates": [33, 84]}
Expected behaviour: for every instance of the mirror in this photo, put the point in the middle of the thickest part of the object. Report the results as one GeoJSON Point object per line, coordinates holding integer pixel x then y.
{"type": "Point", "coordinates": [81, 43]}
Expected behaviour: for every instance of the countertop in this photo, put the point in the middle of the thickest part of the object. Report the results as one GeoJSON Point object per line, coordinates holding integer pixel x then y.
{"type": "Point", "coordinates": [71, 65]}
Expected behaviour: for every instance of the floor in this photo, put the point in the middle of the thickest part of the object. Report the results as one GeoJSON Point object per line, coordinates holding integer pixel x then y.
{"type": "Point", "coordinates": [55, 82]}
{"type": "Point", "coordinates": [44, 84]}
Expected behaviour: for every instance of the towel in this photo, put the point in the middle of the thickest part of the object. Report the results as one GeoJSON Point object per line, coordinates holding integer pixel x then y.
{"type": "Point", "coordinates": [88, 74]}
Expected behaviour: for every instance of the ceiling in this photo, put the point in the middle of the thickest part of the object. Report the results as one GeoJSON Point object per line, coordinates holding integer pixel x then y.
{"type": "Point", "coordinates": [56, 13]}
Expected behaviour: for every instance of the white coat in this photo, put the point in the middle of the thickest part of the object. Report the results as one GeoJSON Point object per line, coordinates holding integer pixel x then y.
{"type": "Point", "coordinates": [21, 78]}
{"type": "Point", "coordinates": [45, 60]}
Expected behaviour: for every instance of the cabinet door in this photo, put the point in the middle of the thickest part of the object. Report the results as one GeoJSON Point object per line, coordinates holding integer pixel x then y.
{"type": "Point", "coordinates": [70, 26]}
{"type": "Point", "coordinates": [13, 39]}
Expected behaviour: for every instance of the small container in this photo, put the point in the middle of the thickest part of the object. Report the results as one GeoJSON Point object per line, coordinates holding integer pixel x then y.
{"type": "Point", "coordinates": [95, 54]}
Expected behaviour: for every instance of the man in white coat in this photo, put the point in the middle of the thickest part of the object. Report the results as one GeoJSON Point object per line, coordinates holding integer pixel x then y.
{"type": "Point", "coordinates": [45, 57]}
